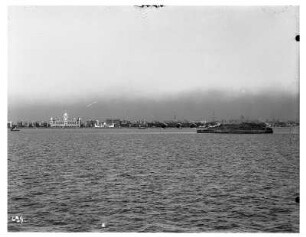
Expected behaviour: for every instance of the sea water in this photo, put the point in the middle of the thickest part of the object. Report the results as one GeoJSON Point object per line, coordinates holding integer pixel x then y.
{"type": "Point", "coordinates": [152, 180]}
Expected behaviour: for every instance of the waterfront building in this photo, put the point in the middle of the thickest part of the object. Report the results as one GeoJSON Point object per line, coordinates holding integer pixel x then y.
{"type": "Point", "coordinates": [10, 124]}
{"type": "Point", "coordinates": [20, 124]}
{"type": "Point", "coordinates": [125, 123]}
{"type": "Point", "coordinates": [90, 123]}
{"type": "Point", "coordinates": [112, 123]}
{"type": "Point", "coordinates": [65, 122]}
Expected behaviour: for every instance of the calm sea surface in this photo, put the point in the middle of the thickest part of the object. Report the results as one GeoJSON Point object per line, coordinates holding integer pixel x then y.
{"type": "Point", "coordinates": [152, 180]}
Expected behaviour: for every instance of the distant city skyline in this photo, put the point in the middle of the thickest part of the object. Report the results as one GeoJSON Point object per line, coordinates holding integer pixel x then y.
{"type": "Point", "coordinates": [190, 107]}
{"type": "Point", "coordinates": [129, 62]}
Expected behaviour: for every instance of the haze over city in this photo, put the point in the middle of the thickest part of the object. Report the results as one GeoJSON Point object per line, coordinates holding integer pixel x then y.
{"type": "Point", "coordinates": [132, 63]}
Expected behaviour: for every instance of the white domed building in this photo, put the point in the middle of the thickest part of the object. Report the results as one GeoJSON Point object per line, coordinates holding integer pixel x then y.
{"type": "Point", "coordinates": [65, 122]}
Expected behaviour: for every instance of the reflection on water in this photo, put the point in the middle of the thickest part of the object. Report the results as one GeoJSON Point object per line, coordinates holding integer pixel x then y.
{"type": "Point", "coordinates": [153, 180]}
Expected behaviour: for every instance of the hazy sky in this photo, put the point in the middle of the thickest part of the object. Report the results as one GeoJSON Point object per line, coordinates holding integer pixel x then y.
{"type": "Point", "coordinates": [153, 63]}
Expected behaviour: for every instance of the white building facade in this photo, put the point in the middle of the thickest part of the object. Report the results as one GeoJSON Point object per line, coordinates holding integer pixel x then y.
{"type": "Point", "coordinates": [65, 122]}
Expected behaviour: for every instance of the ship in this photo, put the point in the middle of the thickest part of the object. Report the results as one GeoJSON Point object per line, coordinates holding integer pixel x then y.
{"type": "Point", "coordinates": [241, 128]}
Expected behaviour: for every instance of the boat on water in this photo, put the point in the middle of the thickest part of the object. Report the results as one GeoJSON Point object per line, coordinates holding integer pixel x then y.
{"type": "Point", "coordinates": [14, 129]}
{"type": "Point", "coordinates": [241, 128]}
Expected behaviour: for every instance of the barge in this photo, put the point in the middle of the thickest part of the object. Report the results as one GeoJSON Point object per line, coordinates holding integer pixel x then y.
{"type": "Point", "coordinates": [241, 128]}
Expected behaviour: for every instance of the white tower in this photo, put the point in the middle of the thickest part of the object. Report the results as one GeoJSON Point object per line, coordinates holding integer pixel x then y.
{"type": "Point", "coordinates": [65, 117]}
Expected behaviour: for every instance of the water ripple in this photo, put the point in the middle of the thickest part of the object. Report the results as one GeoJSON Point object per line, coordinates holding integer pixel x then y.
{"type": "Point", "coordinates": [152, 181]}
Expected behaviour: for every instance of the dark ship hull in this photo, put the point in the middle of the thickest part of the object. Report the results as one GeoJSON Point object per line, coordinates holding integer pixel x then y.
{"type": "Point", "coordinates": [244, 128]}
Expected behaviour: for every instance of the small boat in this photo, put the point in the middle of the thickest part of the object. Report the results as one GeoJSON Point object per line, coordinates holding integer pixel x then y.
{"type": "Point", "coordinates": [14, 129]}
